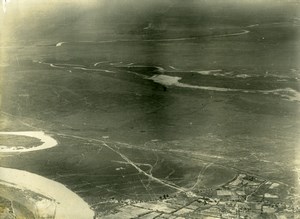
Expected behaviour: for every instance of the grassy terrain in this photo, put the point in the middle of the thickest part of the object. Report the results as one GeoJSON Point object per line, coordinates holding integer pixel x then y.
{"type": "Point", "coordinates": [179, 135]}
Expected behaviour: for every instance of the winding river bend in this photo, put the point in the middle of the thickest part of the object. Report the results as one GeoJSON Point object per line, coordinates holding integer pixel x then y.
{"type": "Point", "coordinates": [43, 197]}
{"type": "Point", "coordinates": [47, 142]}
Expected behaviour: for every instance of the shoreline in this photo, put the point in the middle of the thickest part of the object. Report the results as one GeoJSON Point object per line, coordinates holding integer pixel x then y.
{"type": "Point", "coordinates": [47, 142]}
{"type": "Point", "coordinates": [67, 204]}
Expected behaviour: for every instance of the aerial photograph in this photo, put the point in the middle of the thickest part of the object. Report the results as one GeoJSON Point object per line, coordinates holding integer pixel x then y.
{"type": "Point", "coordinates": [144, 109]}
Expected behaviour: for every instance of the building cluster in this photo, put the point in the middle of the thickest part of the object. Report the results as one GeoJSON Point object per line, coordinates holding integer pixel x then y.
{"type": "Point", "coordinates": [244, 197]}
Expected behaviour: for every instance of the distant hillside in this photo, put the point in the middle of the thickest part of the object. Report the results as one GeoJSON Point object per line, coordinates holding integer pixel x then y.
{"type": "Point", "coordinates": [97, 20]}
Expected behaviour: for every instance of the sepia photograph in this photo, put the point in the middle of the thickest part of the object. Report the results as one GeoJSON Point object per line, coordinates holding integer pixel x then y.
{"type": "Point", "coordinates": [178, 109]}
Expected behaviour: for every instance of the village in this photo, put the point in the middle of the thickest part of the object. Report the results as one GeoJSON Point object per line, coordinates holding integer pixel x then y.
{"type": "Point", "coordinates": [244, 197]}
